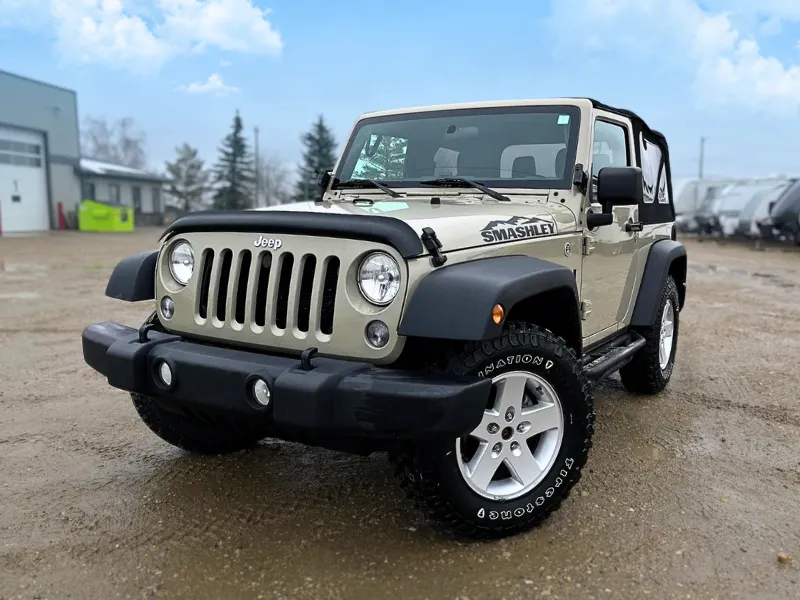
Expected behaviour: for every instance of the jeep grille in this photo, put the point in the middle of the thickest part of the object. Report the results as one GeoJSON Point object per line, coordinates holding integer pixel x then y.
{"type": "Point", "coordinates": [268, 289]}
{"type": "Point", "coordinates": [301, 295]}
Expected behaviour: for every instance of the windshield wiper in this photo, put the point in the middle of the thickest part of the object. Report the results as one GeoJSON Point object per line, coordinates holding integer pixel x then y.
{"type": "Point", "coordinates": [462, 182]}
{"type": "Point", "coordinates": [357, 183]}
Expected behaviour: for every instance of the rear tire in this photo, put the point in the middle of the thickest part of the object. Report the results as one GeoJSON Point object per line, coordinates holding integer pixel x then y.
{"type": "Point", "coordinates": [535, 451]}
{"type": "Point", "coordinates": [651, 369]}
{"type": "Point", "coordinates": [195, 434]}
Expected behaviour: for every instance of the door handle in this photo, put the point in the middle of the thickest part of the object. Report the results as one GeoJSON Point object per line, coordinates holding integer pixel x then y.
{"type": "Point", "coordinates": [633, 226]}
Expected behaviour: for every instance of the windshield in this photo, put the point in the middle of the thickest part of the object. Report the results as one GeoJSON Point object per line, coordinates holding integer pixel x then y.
{"type": "Point", "coordinates": [513, 147]}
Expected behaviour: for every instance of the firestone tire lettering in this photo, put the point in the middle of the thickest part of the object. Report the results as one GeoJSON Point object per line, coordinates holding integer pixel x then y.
{"type": "Point", "coordinates": [519, 512]}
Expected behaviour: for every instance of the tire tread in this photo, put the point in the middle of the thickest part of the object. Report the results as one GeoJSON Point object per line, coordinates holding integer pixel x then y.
{"type": "Point", "coordinates": [643, 374]}
{"type": "Point", "coordinates": [416, 469]}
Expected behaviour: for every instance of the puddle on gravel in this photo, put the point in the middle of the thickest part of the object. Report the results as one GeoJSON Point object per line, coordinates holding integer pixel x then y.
{"type": "Point", "coordinates": [21, 267]}
{"type": "Point", "coordinates": [653, 452]}
{"type": "Point", "coordinates": [770, 278]}
{"type": "Point", "coordinates": [20, 296]}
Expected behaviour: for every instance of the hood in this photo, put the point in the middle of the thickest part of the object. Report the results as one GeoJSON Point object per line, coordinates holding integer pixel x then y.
{"type": "Point", "coordinates": [458, 223]}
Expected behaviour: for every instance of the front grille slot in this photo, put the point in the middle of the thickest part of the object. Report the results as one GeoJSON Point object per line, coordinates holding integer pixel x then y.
{"type": "Point", "coordinates": [282, 302]}
{"type": "Point", "coordinates": [205, 283]}
{"type": "Point", "coordinates": [305, 298]}
{"type": "Point", "coordinates": [328, 304]}
{"type": "Point", "coordinates": [245, 257]}
{"type": "Point", "coordinates": [226, 256]}
{"type": "Point", "coordinates": [261, 287]}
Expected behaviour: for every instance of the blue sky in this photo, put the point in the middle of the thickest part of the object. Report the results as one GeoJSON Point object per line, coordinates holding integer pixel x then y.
{"type": "Point", "coordinates": [725, 69]}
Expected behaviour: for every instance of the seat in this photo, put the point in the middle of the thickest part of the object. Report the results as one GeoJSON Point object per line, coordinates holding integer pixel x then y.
{"type": "Point", "coordinates": [600, 161]}
{"type": "Point", "coordinates": [561, 162]}
{"type": "Point", "coordinates": [472, 162]}
{"type": "Point", "coordinates": [523, 166]}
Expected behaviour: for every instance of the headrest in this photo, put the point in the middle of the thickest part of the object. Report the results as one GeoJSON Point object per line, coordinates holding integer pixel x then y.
{"type": "Point", "coordinates": [600, 161]}
{"type": "Point", "coordinates": [524, 166]}
{"type": "Point", "coordinates": [561, 162]}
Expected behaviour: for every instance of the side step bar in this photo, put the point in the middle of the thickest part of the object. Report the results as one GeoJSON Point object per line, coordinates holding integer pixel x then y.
{"type": "Point", "coordinates": [612, 358]}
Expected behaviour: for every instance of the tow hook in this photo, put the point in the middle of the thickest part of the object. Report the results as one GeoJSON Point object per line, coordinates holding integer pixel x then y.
{"type": "Point", "coordinates": [305, 359]}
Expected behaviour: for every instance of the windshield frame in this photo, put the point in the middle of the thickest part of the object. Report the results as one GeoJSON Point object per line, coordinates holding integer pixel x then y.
{"type": "Point", "coordinates": [564, 183]}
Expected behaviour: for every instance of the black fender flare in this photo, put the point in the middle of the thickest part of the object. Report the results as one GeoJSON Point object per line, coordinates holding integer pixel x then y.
{"type": "Point", "coordinates": [455, 302]}
{"type": "Point", "coordinates": [665, 256]}
{"type": "Point", "coordinates": [134, 278]}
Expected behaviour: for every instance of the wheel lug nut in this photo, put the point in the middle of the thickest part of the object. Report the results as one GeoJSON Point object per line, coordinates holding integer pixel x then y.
{"type": "Point", "coordinates": [510, 414]}
{"type": "Point", "coordinates": [497, 447]}
{"type": "Point", "coordinates": [521, 427]}
{"type": "Point", "coordinates": [493, 428]}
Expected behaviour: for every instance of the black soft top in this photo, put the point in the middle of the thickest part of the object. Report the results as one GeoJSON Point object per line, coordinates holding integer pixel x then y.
{"type": "Point", "coordinates": [662, 140]}
{"type": "Point", "coordinates": [651, 212]}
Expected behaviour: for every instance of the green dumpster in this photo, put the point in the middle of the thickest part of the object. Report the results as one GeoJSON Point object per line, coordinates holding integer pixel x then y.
{"type": "Point", "coordinates": [103, 216]}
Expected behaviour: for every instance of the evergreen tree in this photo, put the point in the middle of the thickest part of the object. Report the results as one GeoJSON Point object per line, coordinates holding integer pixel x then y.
{"type": "Point", "coordinates": [319, 155]}
{"type": "Point", "coordinates": [188, 177]}
{"type": "Point", "coordinates": [235, 171]}
{"type": "Point", "coordinates": [387, 161]}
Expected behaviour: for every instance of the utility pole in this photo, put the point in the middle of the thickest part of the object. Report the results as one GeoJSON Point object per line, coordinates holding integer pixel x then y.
{"type": "Point", "coordinates": [702, 156]}
{"type": "Point", "coordinates": [699, 173]}
{"type": "Point", "coordinates": [258, 174]}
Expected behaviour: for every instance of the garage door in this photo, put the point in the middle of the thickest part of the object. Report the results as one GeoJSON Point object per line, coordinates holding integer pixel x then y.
{"type": "Point", "coordinates": [23, 183]}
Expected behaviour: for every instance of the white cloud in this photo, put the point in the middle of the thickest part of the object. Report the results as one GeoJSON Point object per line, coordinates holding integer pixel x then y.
{"type": "Point", "coordinates": [225, 63]}
{"type": "Point", "coordinates": [100, 32]}
{"type": "Point", "coordinates": [227, 24]}
{"type": "Point", "coordinates": [142, 34]}
{"type": "Point", "coordinates": [212, 85]}
{"type": "Point", "coordinates": [728, 64]}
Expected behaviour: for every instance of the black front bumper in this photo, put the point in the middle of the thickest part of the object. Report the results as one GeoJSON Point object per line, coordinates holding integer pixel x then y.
{"type": "Point", "coordinates": [336, 398]}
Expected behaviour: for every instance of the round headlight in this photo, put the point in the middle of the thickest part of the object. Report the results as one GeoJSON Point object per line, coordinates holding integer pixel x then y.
{"type": "Point", "coordinates": [181, 262]}
{"type": "Point", "coordinates": [379, 278]}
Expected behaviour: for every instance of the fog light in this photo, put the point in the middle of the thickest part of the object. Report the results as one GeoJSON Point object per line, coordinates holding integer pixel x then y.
{"type": "Point", "coordinates": [167, 307]}
{"type": "Point", "coordinates": [165, 373]}
{"type": "Point", "coordinates": [377, 334]}
{"type": "Point", "coordinates": [261, 392]}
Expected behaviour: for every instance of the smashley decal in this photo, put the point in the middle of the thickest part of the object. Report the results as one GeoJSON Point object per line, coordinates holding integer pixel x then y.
{"type": "Point", "coordinates": [517, 228]}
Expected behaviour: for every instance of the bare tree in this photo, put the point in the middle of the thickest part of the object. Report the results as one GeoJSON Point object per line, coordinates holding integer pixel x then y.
{"type": "Point", "coordinates": [275, 181]}
{"type": "Point", "coordinates": [121, 143]}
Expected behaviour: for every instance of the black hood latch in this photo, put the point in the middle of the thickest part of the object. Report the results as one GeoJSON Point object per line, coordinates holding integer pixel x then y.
{"type": "Point", "coordinates": [433, 245]}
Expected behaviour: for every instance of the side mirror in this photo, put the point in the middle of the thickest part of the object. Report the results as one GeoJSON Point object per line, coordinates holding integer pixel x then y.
{"type": "Point", "coordinates": [324, 178]}
{"type": "Point", "coordinates": [619, 186]}
{"type": "Point", "coordinates": [594, 220]}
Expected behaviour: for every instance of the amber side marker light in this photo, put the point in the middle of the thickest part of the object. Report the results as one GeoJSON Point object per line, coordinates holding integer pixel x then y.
{"type": "Point", "coordinates": [498, 313]}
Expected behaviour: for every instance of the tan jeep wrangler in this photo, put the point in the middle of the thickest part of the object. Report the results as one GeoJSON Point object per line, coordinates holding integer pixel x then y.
{"type": "Point", "coordinates": [466, 275]}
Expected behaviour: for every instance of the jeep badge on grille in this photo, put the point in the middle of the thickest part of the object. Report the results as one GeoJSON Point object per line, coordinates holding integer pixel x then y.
{"type": "Point", "coordinates": [271, 243]}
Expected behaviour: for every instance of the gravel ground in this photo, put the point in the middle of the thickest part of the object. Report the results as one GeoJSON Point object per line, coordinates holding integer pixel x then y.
{"type": "Point", "coordinates": [693, 493]}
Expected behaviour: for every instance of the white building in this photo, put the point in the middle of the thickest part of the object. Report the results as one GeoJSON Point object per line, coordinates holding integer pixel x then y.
{"type": "Point", "coordinates": [39, 150]}
{"type": "Point", "coordinates": [42, 175]}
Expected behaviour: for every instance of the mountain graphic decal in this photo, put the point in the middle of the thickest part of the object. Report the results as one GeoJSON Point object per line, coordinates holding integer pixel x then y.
{"type": "Point", "coordinates": [517, 228]}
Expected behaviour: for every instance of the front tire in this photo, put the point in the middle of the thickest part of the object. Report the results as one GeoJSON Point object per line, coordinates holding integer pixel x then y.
{"type": "Point", "coordinates": [527, 453]}
{"type": "Point", "coordinates": [651, 368]}
{"type": "Point", "coordinates": [194, 433]}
